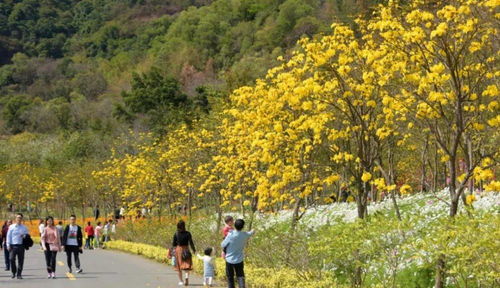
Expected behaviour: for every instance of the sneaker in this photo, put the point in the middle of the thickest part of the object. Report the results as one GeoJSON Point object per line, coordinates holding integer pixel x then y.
{"type": "Point", "coordinates": [13, 276]}
{"type": "Point", "coordinates": [80, 270]}
{"type": "Point", "coordinates": [186, 282]}
{"type": "Point", "coordinates": [53, 275]}
{"type": "Point", "coordinates": [49, 276]}
{"type": "Point", "coordinates": [180, 283]}
{"type": "Point", "coordinates": [70, 270]}
{"type": "Point", "coordinates": [19, 277]}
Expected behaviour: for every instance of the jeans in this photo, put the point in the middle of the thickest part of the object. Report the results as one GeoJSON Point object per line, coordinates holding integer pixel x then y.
{"type": "Point", "coordinates": [75, 250]}
{"type": "Point", "coordinates": [50, 259]}
{"type": "Point", "coordinates": [17, 251]}
{"type": "Point", "coordinates": [240, 274]}
{"type": "Point", "coordinates": [6, 257]}
{"type": "Point", "coordinates": [89, 242]}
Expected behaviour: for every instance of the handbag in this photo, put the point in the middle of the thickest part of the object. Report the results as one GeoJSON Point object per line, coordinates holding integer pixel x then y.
{"type": "Point", "coordinates": [171, 252]}
{"type": "Point", "coordinates": [186, 255]}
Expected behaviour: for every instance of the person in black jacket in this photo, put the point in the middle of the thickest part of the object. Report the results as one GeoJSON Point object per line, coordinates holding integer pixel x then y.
{"type": "Point", "coordinates": [73, 243]}
{"type": "Point", "coordinates": [184, 262]}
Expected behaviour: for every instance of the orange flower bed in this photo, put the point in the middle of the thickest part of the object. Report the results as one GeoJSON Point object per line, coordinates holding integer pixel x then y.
{"type": "Point", "coordinates": [33, 224]}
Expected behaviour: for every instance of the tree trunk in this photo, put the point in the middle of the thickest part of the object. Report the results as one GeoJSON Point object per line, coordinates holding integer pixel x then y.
{"type": "Point", "coordinates": [435, 179]}
{"type": "Point", "coordinates": [468, 164]}
{"type": "Point", "coordinates": [358, 276]}
{"type": "Point", "coordinates": [83, 213]}
{"type": "Point", "coordinates": [423, 159]}
{"type": "Point", "coordinates": [395, 203]}
{"type": "Point", "coordinates": [160, 209]}
{"type": "Point", "coordinates": [295, 220]}
{"type": "Point", "coordinates": [255, 202]}
{"type": "Point", "coordinates": [453, 189]}
{"type": "Point", "coordinates": [190, 203]}
{"type": "Point", "coordinates": [361, 199]}
{"type": "Point", "coordinates": [218, 229]}
{"type": "Point", "coordinates": [392, 179]}
{"type": "Point", "coordinates": [440, 275]}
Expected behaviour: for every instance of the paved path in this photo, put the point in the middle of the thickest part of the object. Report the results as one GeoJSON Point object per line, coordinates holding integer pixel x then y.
{"type": "Point", "coordinates": [102, 269]}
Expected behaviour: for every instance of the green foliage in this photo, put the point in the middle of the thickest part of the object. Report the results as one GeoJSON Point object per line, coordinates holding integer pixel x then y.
{"type": "Point", "coordinates": [161, 99]}
{"type": "Point", "coordinates": [81, 145]}
{"type": "Point", "coordinates": [14, 112]}
{"type": "Point", "coordinates": [152, 91]}
{"type": "Point", "coordinates": [90, 84]}
{"type": "Point", "coordinates": [470, 247]}
{"type": "Point", "coordinates": [416, 277]}
{"type": "Point", "coordinates": [38, 28]}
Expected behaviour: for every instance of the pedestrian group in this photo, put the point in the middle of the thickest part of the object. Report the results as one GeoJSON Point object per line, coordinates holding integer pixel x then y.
{"type": "Point", "coordinates": [15, 239]}
{"type": "Point", "coordinates": [233, 244]}
{"type": "Point", "coordinates": [54, 238]}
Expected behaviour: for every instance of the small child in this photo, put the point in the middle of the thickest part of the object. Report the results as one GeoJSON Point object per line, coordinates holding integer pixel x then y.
{"type": "Point", "coordinates": [228, 228]}
{"type": "Point", "coordinates": [229, 220]}
{"type": "Point", "coordinates": [208, 267]}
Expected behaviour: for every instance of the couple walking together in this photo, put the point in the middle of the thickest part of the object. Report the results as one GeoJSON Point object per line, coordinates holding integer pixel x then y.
{"type": "Point", "coordinates": [52, 241]}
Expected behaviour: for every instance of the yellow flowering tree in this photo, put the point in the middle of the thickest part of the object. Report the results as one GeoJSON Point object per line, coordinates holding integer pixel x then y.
{"type": "Point", "coordinates": [326, 109]}
{"type": "Point", "coordinates": [449, 72]}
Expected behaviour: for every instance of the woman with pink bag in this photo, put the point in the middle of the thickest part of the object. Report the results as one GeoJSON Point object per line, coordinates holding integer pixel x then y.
{"type": "Point", "coordinates": [51, 244]}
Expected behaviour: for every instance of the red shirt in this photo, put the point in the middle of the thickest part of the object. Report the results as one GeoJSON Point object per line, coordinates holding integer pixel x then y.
{"type": "Point", "coordinates": [226, 230]}
{"type": "Point", "coordinates": [89, 230]}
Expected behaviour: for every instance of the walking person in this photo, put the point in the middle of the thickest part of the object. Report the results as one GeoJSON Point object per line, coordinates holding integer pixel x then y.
{"type": "Point", "coordinates": [60, 229]}
{"type": "Point", "coordinates": [104, 233]}
{"type": "Point", "coordinates": [98, 232]}
{"type": "Point", "coordinates": [113, 228]}
{"type": "Point", "coordinates": [41, 227]}
{"type": "Point", "coordinates": [5, 229]}
{"type": "Point", "coordinates": [208, 267]}
{"type": "Point", "coordinates": [122, 213]}
{"type": "Point", "coordinates": [97, 213]}
{"type": "Point", "coordinates": [234, 244]}
{"type": "Point", "coordinates": [15, 236]}
{"type": "Point", "coordinates": [89, 231]}
{"type": "Point", "coordinates": [72, 243]}
{"type": "Point", "coordinates": [107, 233]}
{"type": "Point", "coordinates": [51, 244]}
{"type": "Point", "coordinates": [184, 259]}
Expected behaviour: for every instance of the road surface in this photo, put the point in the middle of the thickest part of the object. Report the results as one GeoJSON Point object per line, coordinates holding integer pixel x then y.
{"type": "Point", "coordinates": [101, 269]}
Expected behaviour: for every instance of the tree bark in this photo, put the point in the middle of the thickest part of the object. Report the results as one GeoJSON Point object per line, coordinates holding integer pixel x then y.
{"type": "Point", "coordinates": [423, 159]}
{"type": "Point", "coordinates": [440, 275]}
{"type": "Point", "coordinates": [453, 186]}
{"type": "Point", "coordinates": [295, 220]}
{"type": "Point", "coordinates": [255, 202]}
{"type": "Point", "coordinates": [361, 199]}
